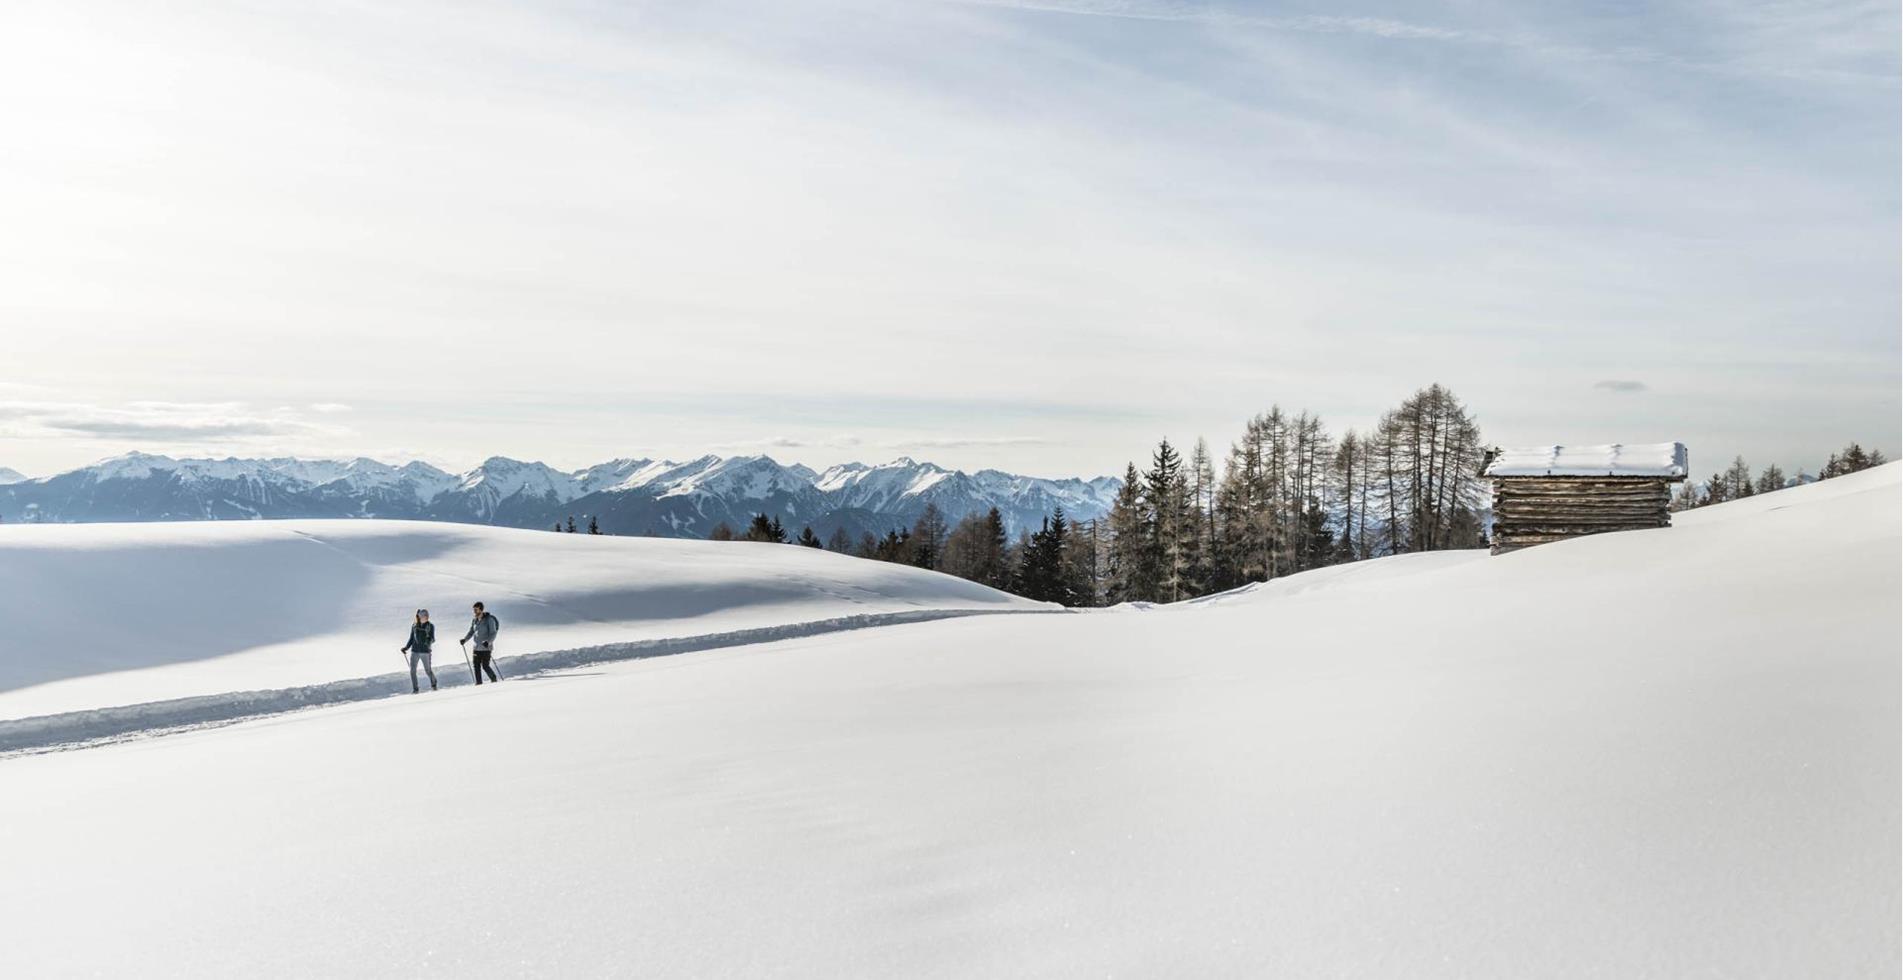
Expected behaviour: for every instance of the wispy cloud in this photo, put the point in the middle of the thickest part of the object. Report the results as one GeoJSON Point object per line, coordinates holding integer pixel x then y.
{"type": "Point", "coordinates": [191, 423]}
{"type": "Point", "coordinates": [1620, 385]}
{"type": "Point", "coordinates": [1824, 33]}
{"type": "Point", "coordinates": [968, 442]}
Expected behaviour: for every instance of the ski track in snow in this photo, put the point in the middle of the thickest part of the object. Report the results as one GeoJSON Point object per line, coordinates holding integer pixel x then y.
{"type": "Point", "coordinates": [101, 726]}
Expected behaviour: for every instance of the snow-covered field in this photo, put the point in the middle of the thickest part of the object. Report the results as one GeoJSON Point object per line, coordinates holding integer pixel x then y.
{"type": "Point", "coordinates": [1655, 754]}
{"type": "Point", "coordinates": [114, 614]}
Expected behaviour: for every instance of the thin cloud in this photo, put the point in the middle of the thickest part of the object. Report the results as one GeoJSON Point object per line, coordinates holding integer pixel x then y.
{"type": "Point", "coordinates": [1400, 30]}
{"type": "Point", "coordinates": [1621, 385]}
{"type": "Point", "coordinates": [970, 442]}
{"type": "Point", "coordinates": [153, 421]}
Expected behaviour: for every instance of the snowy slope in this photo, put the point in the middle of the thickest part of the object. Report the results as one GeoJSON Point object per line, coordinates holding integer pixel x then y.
{"type": "Point", "coordinates": [8, 475]}
{"type": "Point", "coordinates": [114, 614]}
{"type": "Point", "coordinates": [1652, 754]}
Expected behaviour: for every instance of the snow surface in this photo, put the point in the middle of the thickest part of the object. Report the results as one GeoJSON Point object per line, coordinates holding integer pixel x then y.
{"type": "Point", "coordinates": [1652, 459]}
{"type": "Point", "coordinates": [1412, 767]}
{"type": "Point", "coordinates": [9, 475]}
{"type": "Point", "coordinates": [95, 615]}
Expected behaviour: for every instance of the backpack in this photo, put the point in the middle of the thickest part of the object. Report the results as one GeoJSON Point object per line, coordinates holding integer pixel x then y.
{"type": "Point", "coordinates": [495, 625]}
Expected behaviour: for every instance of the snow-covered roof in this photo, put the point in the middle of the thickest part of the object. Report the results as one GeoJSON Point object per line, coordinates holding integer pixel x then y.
{"type": "Point", "coordinates": [1655, 459]}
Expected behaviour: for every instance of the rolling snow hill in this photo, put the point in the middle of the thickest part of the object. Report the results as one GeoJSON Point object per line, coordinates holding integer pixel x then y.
{"type": "Point", "coordinates": [101, 615]}
{"type": "Point", "coordinates": [626, 496]}
{"type": "Point", "coordinates": [1650, 754]}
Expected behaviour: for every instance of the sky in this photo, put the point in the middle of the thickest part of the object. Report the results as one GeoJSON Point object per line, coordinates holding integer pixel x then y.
{"type": "Point", "coordinates": [1033, 235]}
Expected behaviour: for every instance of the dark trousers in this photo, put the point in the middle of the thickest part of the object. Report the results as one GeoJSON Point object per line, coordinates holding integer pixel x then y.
{"type": "Point", "coordinates": [482, 666]}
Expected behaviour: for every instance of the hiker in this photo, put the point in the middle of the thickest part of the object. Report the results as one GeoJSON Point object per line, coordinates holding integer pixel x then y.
{"type": "Point", "coordinates": [483, 627]}
{"type": "Point", "coordinates": [422, 637]}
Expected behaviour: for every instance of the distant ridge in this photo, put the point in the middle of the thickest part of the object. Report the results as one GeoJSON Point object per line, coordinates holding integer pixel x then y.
{"type": "Point", "coordinates": [625, 496]}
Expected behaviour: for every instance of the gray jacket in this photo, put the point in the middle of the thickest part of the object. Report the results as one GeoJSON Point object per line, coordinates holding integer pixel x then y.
{"type": "Point", "coordinates": [484, 630]}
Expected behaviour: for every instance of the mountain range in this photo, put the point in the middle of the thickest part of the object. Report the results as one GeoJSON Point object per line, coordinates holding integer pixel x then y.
{"type": "Point", "coordinates": [626, 496]}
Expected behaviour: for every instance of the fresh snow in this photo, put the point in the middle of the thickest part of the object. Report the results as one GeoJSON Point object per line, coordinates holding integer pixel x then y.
{"type": "Point", "coordinates": [1666, 459]}
{"type": "Point", "coordinates": [97, 615]}
{"type": "Point", "coordinates": [8, 475]}
{"type": "Point", "coordinates": [1658, 753]}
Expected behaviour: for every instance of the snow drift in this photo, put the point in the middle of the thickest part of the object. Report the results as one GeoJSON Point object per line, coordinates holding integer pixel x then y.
{"type": "Point", "coordinates": [1648, 754]}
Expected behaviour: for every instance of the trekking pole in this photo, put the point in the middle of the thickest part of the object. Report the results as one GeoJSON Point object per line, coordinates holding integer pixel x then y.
{"type": "Point", "coordinates": [464, 647]}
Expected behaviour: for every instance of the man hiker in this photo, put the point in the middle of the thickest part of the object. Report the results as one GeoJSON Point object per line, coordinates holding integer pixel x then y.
{"type": "Point", "coordinates": [422, 637]}
{"type": "Point", "coordinates": [482, 627]}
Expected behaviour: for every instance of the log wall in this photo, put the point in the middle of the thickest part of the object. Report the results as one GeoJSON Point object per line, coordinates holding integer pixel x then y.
{"type": "Point", "coordinates": [1530, 510]}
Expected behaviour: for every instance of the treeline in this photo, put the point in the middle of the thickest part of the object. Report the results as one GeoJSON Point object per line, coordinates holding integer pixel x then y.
{"type": "Point", "coordinates": [1737, 481]}
{"type": "Point", "coordinates": [1291, 497]}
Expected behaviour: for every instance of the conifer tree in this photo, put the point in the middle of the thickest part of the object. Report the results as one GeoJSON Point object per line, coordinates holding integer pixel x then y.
{"type": "Point", "coordinates": [807, 537]}
{"type": "Point", "coordinates": [593, 526]}
{"type": "Point", "coordinates": [764, 528]}
{"type": "Point", "coordinates": [993, 568]}
{"type": "Point", "coordinates": [571, 524]}
{"type": "Point", "coordinates": [1772, 478]}
{"type": "Point", "coordinates": [721, 532]}
{"type": "Point", "coordinates": [839, 541]}
{"type": "Point", "coordinates": [1717, 490]}
{"type": "Point", "coordinates": [1130, 572]}
{"type": "Point", "coordinates": [1041, 572]}
{"type": "Point", "coordinates": [1165, 496]}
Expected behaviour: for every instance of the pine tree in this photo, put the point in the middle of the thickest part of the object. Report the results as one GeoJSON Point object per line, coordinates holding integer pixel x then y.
{"type": "Point", "coordinates": [764, 528]}
{"type": "Point", "coordinates": [1717, 490]}
{"type": "Point", "coordinates": [721, 532]}
{"type": "Point", "coordinates": [1771, 479]}
{"type": "Point", "coordinates": [1041, 571]}
{"type": "Point", "coordinates": [571, 524]}
{"type": "Point", "coordinates": [593, 527]}
{"type": "Point", "coordinates": [807, 538]}
{"type": "Point", "coordinates": [1202, 532]}
{"type": "Point", "coordinates": [994, 569]}
{"type": "Point", "coordinates": [1165, 494]}
{"type": "Point", "coordinates": [1131, 573]}
{"type": "Point", "coordinates": [895, 547]}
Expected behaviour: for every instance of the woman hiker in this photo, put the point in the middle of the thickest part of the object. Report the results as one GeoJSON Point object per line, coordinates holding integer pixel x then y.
{"type": "Point", "coordinates": [422, 637]}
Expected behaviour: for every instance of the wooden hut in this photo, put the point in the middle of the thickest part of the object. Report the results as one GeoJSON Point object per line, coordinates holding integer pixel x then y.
{"type": "Point", "coordinates": [1550, 493]}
